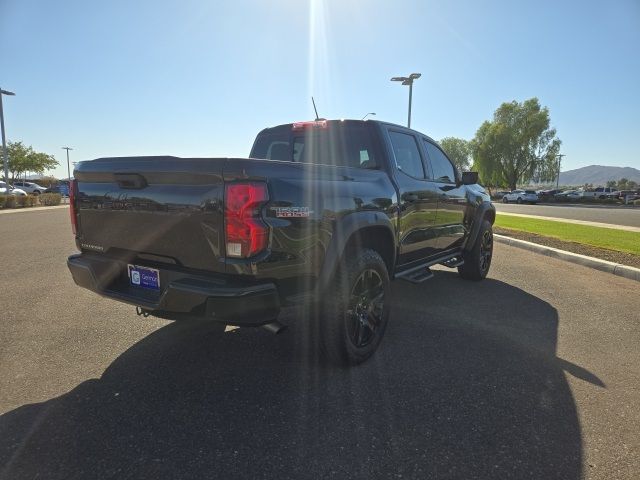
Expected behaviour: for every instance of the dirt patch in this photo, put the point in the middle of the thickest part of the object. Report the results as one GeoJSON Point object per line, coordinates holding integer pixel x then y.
{"type": "Point", "coordinates": [601, 253]}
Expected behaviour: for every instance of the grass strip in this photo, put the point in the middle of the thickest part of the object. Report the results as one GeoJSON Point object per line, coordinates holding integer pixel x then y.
{"type": "Point", "coordinates": [618, 240]}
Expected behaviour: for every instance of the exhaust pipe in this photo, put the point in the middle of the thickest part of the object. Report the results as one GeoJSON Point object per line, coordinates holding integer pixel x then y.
{"type": "Point", "coordinates": [274, 327]}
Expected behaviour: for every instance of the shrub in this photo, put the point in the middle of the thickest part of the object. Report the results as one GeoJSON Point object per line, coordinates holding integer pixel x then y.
{"type": "Point", "coordinates": [3, 199]}
{"type": "Point", "coordinates": [9, 201]}
{"type": "Point", "coordinates": [26, 200]}
{"type": "Point", "coordinates": [50, 199]}
{"type": "Point", "coordinates": [636, 203]}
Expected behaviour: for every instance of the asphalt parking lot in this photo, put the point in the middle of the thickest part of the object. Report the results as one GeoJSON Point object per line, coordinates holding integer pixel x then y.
{"type": "Point", "coordinates": [533, 373]}
{"type": "Point", "coordinates": [592, 213]}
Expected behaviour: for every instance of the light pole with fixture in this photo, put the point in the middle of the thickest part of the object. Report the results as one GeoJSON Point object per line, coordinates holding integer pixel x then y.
{"type": "Point", "coordinates": [408, 81]}
{"type": "Point", "coordinates": [370, 113]}
{"type": "Point", "coordinates": [4, 140]}
{"type": "Point", "coordinates": [68, 169]}
{"type": "Point", "coordinates": [560, 155]}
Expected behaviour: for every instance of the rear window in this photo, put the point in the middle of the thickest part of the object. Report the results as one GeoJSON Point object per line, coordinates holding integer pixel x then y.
{"type": "Point", "coordinates": [531, 192]}
{"type": "Point", "coordinates": [341, 144]}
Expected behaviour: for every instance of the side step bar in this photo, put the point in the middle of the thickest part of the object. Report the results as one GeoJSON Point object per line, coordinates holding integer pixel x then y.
{"type": "Point", "coordinates": [453, 262]}
{"type": "Point", "coordinates": [421, 273]}
{"type": "Point", "coordinates": [418, 274]}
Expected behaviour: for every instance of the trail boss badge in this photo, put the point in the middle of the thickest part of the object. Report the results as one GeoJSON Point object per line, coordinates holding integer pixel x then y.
{"type": "Point", "coordinates": [292, 212]}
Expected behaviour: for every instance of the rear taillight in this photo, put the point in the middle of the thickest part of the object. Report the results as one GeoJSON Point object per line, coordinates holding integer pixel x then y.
{"type": "Point", "coordinates": [73, 190]}
{"type": "Point", "coordinates": [245, 232]}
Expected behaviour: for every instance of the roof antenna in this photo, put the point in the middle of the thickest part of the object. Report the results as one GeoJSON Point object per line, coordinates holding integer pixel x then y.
{"type": "Point", "coordinates": [316, 110]}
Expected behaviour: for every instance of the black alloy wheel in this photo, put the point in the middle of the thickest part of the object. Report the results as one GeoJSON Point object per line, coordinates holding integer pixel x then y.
{"type": "Point", "coordinates": [477, 259]}
{"type": "Point", "coordinates": [366, 304]}
{"type": "Point", "coordinates": [486, 251]}
{"type": "Point", "coordinates": [355, 311]}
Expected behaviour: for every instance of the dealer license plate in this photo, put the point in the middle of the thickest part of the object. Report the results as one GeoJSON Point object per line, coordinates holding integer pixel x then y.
{"type": "Point", "coordinates": [144, 277]}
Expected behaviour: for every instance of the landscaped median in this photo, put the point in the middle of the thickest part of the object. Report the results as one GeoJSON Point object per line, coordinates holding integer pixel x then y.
{"type": "Point", "coordinates": [25, 201]}
{"type": "Point", "coordinates": [618, 246]}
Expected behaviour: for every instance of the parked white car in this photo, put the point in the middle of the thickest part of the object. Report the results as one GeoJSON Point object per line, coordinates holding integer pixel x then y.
{"type": "Point", "coordinates": [30, 187]}
{"type": "Point", "coordinates": [521, 196]}
{"type": "Point", "coordinates": [12, 191]}
{"type": "Point", "coordinates": [601, 193]}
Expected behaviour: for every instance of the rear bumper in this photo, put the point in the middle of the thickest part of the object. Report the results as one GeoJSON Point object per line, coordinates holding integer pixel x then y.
{"type": "Point", "coordinates": [182, 295]}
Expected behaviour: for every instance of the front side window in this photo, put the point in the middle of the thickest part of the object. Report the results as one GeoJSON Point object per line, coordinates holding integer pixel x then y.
{"type": "Point", "coordinates": [405, 149]}
{"type": "Point", "coordinates": [441, 167]}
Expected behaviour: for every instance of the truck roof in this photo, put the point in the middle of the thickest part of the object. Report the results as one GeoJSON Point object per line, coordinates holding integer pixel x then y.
{"type": "Point", "coordinates": [285, 126]}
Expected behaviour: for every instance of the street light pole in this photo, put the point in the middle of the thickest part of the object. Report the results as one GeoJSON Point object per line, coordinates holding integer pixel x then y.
{"type": "Point", "coordinates": [5, 154]}
{"type": "Point", "coordinates": [410, 98]}
{"type": "Point", "coordinates": [560, 155]}
{"type": "Point", "coordinates": [68, 169]}
{"type": "Point", "coordinates": [408, 81]}
{"type": "Point", "coordinates": [370, 113]}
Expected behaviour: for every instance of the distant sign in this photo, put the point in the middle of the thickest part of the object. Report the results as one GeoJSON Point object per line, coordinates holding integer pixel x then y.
{"type": "Point", "coordinates": [64, 189]}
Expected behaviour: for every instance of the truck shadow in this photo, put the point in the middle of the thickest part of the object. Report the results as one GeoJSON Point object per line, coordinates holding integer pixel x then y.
{"type": "Point", "coordinates": [466, 385]}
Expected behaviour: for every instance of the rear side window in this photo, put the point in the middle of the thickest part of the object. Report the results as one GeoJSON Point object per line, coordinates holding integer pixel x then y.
{"type": "Point", "coordinates": [405, 149]}
{"type": "Point", "coordinates": [339, 144]}
{"type": "Point", "coordinates": [272, 147]}
{"type": "Point", "coordinates": [441, 167]}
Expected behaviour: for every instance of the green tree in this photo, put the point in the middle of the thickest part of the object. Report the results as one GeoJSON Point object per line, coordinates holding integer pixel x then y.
{"type": "Point", "coordinates": [611, 183]}
{"type": "Point", "coordinates": [626, 184]}
{"type": "Point", "coordinates": [482, 151]}
{"type": "Point", "coordinates": [25, 159]}
{"type": "Point", "coordinates": [516, 146]}
{"type": "Point", "coordinates": [459, 151]}
{"type": "Point", "coordinates": [17, 153]}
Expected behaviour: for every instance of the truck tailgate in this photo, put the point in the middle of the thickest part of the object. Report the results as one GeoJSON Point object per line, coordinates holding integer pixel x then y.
{"type": "Point", "coordinates": [163, 209]}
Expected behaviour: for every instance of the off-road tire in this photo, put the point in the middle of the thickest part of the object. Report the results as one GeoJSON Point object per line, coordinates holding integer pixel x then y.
{"type": "Point", "coordinates": [477, 260]}
{"type": "Point", "coordinates": [338, 317]}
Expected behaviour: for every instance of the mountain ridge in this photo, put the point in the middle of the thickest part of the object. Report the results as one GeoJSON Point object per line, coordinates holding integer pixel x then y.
{"type": "Point", "coordinates": [598, 175]}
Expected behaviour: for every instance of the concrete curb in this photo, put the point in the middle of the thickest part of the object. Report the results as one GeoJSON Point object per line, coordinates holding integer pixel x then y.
{"type": "Point", "coordinates": [631, 273]}
{"type": "Point", "coordinates": [31, 209]}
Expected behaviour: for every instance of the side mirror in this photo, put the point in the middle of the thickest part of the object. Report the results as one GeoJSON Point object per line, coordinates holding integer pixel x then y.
{"type": "Point", "coordinates": [469, 178]}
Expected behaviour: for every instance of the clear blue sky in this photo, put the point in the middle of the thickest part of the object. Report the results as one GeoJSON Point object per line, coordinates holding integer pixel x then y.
{"type": "Point", "coordinates": [200, 78]}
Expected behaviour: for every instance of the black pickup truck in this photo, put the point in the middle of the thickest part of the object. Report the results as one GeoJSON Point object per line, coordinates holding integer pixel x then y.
{"type": "Point", "coordinates": [325, 213]}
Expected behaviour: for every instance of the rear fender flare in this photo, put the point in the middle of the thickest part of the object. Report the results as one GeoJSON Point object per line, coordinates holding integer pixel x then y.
{"type": "Point", "coordinates": [343, 230]}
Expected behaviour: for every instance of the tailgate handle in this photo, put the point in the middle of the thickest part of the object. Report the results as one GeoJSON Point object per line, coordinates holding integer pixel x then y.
{"type": "Point", "coordinates": [130, 180]}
